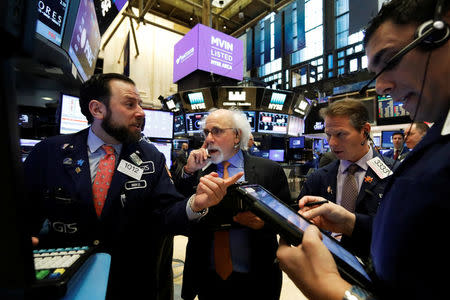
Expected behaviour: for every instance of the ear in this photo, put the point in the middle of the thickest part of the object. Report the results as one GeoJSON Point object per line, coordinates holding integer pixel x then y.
{"type": "Point", "coordinates": [366, 129]}
{"type": "Point", "coordinates": [97, 109]}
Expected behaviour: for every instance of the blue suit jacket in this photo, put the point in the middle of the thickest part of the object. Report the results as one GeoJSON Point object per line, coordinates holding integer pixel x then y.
{"type": "Point", "coordinates": [390, 153]}
{"type": "Point", "coordinates": [58, 179]}
{"type": "Point", "coordinates": [323, 182]}
{"type": "Point", "coordinates": [410, 231]}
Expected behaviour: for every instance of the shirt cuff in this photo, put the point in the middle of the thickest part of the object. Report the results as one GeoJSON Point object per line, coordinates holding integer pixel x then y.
{"type": "Point", "coordinates": [193, 215]}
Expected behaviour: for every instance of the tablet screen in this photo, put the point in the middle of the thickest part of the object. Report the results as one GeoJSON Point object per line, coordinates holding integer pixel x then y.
{"type": "Point", "coordinates": [285, 212]}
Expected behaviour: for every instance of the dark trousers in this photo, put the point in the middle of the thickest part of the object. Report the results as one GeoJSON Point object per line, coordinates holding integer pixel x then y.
{"type": "Point", "coordinates": [239, 286]}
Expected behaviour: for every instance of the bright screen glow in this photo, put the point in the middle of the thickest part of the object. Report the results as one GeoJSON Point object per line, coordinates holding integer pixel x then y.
{"type": "Point", "coordinates": [276, 155]}
{"type": "Point", "coordinates": [197, 101]}
{"type": "Point", "coordinates": [193, 122]}
{"type": "Point", "coordinates": [72, 120]}
{"type": "Point", "coordinates": [297, 142]}
{"type": "Point", "coordinates": [158, 124]}
{"type": "Point", "coordinates": [166, 149]}
{"type": "Point", "coordinates": [272, 123]}
{"type": "Point", "coordinates": [51, 19]}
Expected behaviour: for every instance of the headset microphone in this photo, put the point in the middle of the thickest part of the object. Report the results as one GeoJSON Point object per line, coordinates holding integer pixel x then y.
{"type": "Point", "coordinates": [429, 35]}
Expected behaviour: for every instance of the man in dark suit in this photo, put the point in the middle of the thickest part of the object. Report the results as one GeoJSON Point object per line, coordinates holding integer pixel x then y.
{"type": "Point", "coordinates": [142, 208]}
{"type": "Point", "coordinates": [398, 139]}
{"type": "Point", "coordinates": [407, 256]}
{"type": "Point", "coordinates": [254, 273]}
{"type": "Point", "coordinates": [348, 132]}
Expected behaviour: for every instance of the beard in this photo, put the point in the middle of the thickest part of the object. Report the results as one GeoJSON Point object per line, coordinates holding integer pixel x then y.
{"type": "Point", "coordinates": [217, 157]}
{"type": "Point", "coordinates": [119, 132]}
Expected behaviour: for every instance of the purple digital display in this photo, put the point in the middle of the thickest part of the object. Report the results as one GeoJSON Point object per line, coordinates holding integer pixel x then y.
{"type": "Point", "coordinates": [206, 49]}
{"type": "Point", "coordinates": [85, 42]}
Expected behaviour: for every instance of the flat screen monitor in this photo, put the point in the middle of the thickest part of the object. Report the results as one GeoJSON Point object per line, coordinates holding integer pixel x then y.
{"type": "Point", "coordinates": [377, 140]}
{"type": "Point", "coordinates": [197, 100]}
{"type": "Point", "coordinates": [277, 101]}
{"type": "Point", "coordinates": [251, 117]}
{"type": "Point", "coordinates": [276, 155]}
{"type": "Point", "coordinates": [386, 138]}
{"type": "Point", "coordinates": [166, 149]}
{"type": "Point", "coordinates": [26, 145]}
{"type": "Point", "coordinates": [272, 122]}
{"type": "Point", "coordinates": [158, 124]}
{"type": "Point", "coordinates": [71, 120]}
{"type": "Point", "coordinates": [295, 126]}
{"type": "Point", "coordinates": [179, 125]}
{"type": "Point", "coordinates": [85, 40]}
{"type": "Point", "coordinates": [261, 153]}
{"type": "Point", "coordinates": [52, 19]}
{"type": "Point", "coordinates": [297, 142]}
{"type": "Point", "coordinates": [178, 142]}
{"type": "Point", "coordinates": [193, 122]}
{"type": "Point", "coordinates": [25, 120]}
{"type": "Point", "coordinates": [388, 108]}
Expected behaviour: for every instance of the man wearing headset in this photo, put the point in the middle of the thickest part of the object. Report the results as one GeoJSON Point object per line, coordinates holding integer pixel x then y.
{"type": "Point", "coordinates": [411, 225]}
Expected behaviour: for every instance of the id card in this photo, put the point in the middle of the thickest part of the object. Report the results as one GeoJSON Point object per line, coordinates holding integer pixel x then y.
{"type": "Point", "coordinates": [129, 169]}
{"type": "Point", "coordinates": [379, 167]}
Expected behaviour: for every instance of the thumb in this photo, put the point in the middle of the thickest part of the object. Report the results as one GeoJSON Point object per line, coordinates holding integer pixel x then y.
{"type": "Point", "coordinates": [230, 180]}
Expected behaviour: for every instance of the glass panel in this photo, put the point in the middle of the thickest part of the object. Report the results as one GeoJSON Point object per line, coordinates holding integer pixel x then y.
{"type": "Point", "coordinates": [364, 62]}
{"type": "Point", "coordinates": [342, 23]}
{"type": "Point", "coordinates": [341, 39]}
{"type": "Point", "coordinates": [341, 7]}
{"type": "Point", "coordinates": [353, 65]}
{"type": "Point", "coordinates": [330, 61]}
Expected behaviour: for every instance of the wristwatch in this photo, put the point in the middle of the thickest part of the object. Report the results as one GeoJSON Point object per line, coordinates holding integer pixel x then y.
{"type": "Point", "coordinates": [357, 293]}
{"type": "Point", "coordinates": [197, 213]}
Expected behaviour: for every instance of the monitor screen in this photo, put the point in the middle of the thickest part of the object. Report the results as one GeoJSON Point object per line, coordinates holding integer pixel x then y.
{"type": "Point", "coordinates": [25, 120]}
{"type": "Point", "coordinates": [26, 145]}
{"type": "Point", "coordinates": [261, 153]}
{"type": "Point", "coordinates": [166, 149]}
{"type": "Point", "coordinates": [178, 142]}
{"type": "Point", "coordinates": [158, 124]}
{"type": "Point", "coordinates": [85, 40]}
{"type": "Point", "coordinates": [386, 138]}
{"type": "Point", "coordinates": [72, 120]}
{"type": "Point", "coordinates": [251, 117]}
{"type": "Point", "coordinates": [179, 125]}
{"type": "Point", "coordinates": [277, 101]}
{"type": "Point", "coordinates": [197, 101]}
{"type": "Point", "coordinates": [295, 126]}
{"type": "Point", "coordinates": [388, 108]}
{"type": "Point", "coordinates": [377, 140]}
{"type": "Point", "coordinates": [276, 155]}
{"type": "Point", "coordinates": [297, 142]}
{"type": "Point", "coordinates": [51, 19]}
{"type": "Point", "coordinates": [193, 122]}
{"type": "Point", "coordinates": [272, 122]}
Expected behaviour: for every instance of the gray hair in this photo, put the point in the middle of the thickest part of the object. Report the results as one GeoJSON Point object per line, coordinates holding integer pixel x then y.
{"type": "Point", "coordinates": [239, 122]}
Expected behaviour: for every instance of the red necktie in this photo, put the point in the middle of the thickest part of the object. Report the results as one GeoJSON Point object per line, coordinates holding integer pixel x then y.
{"type": "Point", "coordinates": [222, 253]}
{"type": "Point", "coordinates": [395, 154]}
{"type": "Point", "coordinates": [103, 177]}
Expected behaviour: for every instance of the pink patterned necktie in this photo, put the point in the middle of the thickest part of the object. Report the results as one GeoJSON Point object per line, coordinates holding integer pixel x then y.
{"type": "Point", "coordinates": [103, 177]}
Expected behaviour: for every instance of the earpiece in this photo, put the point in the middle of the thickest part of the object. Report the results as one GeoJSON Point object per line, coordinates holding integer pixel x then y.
{"type": "Point", "coordinates": [367, 136]}
{"type": "Point", "coordinates": [440, 34]}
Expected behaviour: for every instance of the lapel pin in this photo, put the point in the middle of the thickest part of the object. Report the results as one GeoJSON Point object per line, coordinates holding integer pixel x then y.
{"type": "Point", "coordinates": [368, 179]}
{"type": "Point", "coordinates": [67, 161]}
{"type": "Point", "coordinates": [329, 190]}
{"type": "Point", "coordinates": [136, 159]}
{"type": "Point", "coordinates": [78, 170]}
{"type": "Point", "coordinates": [80, 162]}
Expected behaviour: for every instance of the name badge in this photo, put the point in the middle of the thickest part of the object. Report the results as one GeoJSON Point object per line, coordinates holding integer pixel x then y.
{"type": "Point", "coordinates": [129, 169]}
{"type": "Point", "coordinates": [379, 167]}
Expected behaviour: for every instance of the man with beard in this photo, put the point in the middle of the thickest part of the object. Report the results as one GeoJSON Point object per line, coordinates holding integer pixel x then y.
{"type": "Point", "coordinates": [251, 271]}
{"type": "Point", "coordinates": [105, 187]}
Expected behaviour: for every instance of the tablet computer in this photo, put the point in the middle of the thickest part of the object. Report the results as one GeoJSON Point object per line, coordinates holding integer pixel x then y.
{"type": "Point", "coordinates": [291, 225]}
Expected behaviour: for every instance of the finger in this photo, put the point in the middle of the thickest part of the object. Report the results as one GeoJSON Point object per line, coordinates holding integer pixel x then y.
{"type": "Point", "coordinates": [316, 211]}
{"type": "Point", "coordinates": [231, 180]}
{"type": "Point", "coordinates": [205, 144]}
{"type": "Point", "coordinates": [307, 199]}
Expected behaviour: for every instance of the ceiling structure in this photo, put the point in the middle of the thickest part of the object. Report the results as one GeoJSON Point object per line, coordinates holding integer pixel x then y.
{"type": "Point", "coordinates": [232, 17]}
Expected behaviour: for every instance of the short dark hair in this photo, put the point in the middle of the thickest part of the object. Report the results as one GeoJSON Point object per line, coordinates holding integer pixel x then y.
{"type": "Point", "coordinates": [399, 133]}
{"type": "Point", "coordinates": [404, 12]}
{"type": "Point", "coordinates": [353, 109]}
{"type": "Point", "coordinates": [98, 88]}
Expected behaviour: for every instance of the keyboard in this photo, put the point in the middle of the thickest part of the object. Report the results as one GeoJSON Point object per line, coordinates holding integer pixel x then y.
{"type": "Point", "coordinates": [55, 267]}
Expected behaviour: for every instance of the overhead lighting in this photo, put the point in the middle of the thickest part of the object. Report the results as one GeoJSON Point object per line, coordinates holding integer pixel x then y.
{"type": "Point", "coordinates": [47, 98]}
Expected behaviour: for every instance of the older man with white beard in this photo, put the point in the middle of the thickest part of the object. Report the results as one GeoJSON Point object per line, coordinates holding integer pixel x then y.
{"type": "Point", "coordinates": [251, 246]}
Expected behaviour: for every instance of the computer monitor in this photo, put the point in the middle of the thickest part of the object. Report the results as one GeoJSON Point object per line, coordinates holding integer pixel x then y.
{"type": "Point", "coordinates": [52, 19]}
{"type": "Point", "coordinates": [261, 153]}
{"type": "Point", "coordinates": [377, 140]}
{"type": "Point", "coordinates": [85, 40]}
{"type": "Point", "coordinates": [276, 155]}
{"type": "Point", "coordinates": [251, 117]}
{"type": "Point", "coordinates": [71, 119]}
{"type": "Point", "coordinates": [166, 149]}
{"type": "Point", "coordinates": [178, 142]}
{"type": "Point", "coordinates": [274, 123]}
{"type": "Point", "coordinates": [295, 126]}
{"type": "Point", "coordinates": [179, 124]}
{"type": "Point", "coordinates": [297, 142]}
{"type": "Point", "coordinates": [158, 124]}
{"type": "Point", "coordinates": [193, 122]}
{"type": "Point", "coordinates": [386, 138]}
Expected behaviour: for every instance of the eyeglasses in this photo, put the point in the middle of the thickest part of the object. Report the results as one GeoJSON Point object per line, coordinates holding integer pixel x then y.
{"type": "Point", "coordinates": [215, 131]}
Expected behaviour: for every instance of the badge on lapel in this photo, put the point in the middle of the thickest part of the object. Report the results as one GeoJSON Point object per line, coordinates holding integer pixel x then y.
{"type": "Point", "coordinates": [368, 179]}
{"type": "Point", "coordinates": [329, 190]}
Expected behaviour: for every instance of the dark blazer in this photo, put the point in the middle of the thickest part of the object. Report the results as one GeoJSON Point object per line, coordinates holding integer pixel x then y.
{"type": "Point", "coordinates": [323, 182]}
{"type": "Point", "coordinates": [263, 242]}
{"type": "Point", "coordinates": [411, 227]}
{"type": "Point", "coordinates": [390, 153]}
{"type": "Point", "coordinates": [138, 219]}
